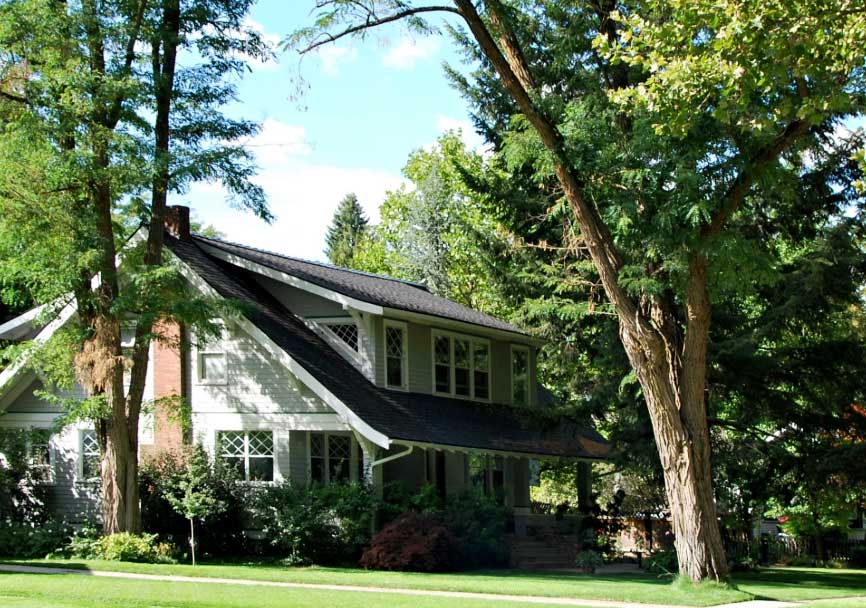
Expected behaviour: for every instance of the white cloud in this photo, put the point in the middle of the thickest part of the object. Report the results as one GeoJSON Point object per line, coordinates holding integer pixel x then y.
{"type": "Point", "coordinates": [332, 56]}
{"type": "Point", "coordinates": [302, 195]}
{"type": "Point", "coordinates": [409, 51]}
{"type": "Point", "coordinates": [472, 140]}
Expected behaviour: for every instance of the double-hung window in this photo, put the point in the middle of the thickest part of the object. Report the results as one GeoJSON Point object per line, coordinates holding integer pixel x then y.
{"type": "Point", "coordinates": [396, 355]}
{"type": "Point", "coordinates": [520, 375]}
{"type": "Point", "coordinates": [331, 458]}
{"type": "Point", "coordinates": [461, 366]}
{"type": "Point", "coordinates": [212, 361]}
{"type": "Point", "coordinates": [250, 453]}
{"type": "Point", "coordinates": [39, 456]}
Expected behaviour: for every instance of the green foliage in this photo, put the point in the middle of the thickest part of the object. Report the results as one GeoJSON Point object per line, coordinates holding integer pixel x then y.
{"type": "Point", "coordinates": [166, 481]}
{"type": "Point", "coordinates": [315, 524]}
{"type": "Point", "coordinates": [31, 540]}
{"type": "Point", "coordinates": [122, 547]}
{"type": "Point", "coordinates": [663, 563]}
{"type": "Point", "coordinates": [22, 494]}
{"type": "Point", "coordinates": [346, 232]}
{"type": "Point", "coordinates": [588, 561]}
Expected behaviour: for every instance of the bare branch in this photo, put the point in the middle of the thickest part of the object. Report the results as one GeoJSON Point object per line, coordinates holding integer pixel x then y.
{"type": "Point", "coordinates": [373, 21]}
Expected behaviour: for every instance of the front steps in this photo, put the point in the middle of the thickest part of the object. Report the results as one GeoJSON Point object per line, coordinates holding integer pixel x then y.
{"type": "Point", "coordinates": [544, 552]}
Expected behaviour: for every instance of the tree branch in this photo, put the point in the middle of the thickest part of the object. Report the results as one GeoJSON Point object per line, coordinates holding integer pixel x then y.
{"type": "Point", "coordinates": [13, 97]}
{"type": "Point", "coordinates": [374, 22]}
{"type": "Point", "coordinates": [744, 181]}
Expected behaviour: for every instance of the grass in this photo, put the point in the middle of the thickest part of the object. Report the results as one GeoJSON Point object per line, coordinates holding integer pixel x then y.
{"type": "Point", "coordinates": [636, 587]}
{"type": "Point", "coordinates": [782, 584]}
{"type": "Point", "coordinates": [52, 591]}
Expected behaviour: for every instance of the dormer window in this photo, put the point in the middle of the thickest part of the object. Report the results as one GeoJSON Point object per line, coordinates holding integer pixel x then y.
{"type": "Point", "coordinates": [461, 366]}
{"type": "Point", "coordinates": [519, 375]}
{"type": "Point", "coordinates": [346, 331]}
{"type": "Point", "coordinates": [396, 355]}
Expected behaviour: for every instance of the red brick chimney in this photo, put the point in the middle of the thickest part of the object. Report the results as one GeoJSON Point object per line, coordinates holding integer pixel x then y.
{"type": "Point", "coordinates": [177, 221]}
{"type": "Point", "coordinates": [168, 382]}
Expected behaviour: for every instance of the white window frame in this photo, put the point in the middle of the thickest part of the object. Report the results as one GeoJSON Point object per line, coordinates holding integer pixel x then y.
{"type": "Point", "coordinates": [473, 340]}
{"type": "Point", "coordinates": [213, 347]}
{"type": "Point", "coordinates": [50, 465]}
{"type": "Point", "coordinates": [404, 327]}
{"type": "Point", "coordinates": [353, 457]}
{"type": "Point", "coordinates": [327, 322]}
{"type": "Point", "coordinates": [246, 455]}
{"type": "Point", "coordinates": [81, 455]}
{"type": "Point", "coordinates": [528, 351]}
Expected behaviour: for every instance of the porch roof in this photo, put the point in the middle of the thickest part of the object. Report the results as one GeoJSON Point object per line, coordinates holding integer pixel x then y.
{"type": "Point", "coordinates": [402, 417]}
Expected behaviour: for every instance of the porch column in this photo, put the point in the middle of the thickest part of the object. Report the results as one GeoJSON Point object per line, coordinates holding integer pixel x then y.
{"type": "Point", "coordinates": [584, 486]}
{"type": "Point", "coordinates": [372, 475]}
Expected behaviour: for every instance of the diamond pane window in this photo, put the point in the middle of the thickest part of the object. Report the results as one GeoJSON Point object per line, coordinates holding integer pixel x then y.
{"type": "Point", "coordinates": [442, 365]}
{"type": "Point", "coordinates": [347, 332]}
{"type": "Point", "coordinates": [89, 455]}
{"type": "Point", "coordinates": [395, 356]}
{"type": "Point", "coordinates": [481, 366]}
{"type": "Point", "coordinates": [250, 453]}
{"type": "Point", "coordinates": [331, 458]}
{"type": "Point", "coordinates": [461, 367]}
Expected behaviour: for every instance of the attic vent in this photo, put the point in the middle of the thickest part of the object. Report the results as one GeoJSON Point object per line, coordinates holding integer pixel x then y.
{"type": "Point", "coordinates": [347, 332]}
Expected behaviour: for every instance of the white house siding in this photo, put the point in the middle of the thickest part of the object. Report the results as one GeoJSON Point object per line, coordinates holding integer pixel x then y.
{"type": "Point", "coordinates": [68, 495]}
{"type": "Point", "coordinates": [258, 394]}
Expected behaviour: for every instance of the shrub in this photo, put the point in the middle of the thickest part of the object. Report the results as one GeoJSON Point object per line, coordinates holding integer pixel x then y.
{"type": "Point", "coordinates": [588, 561]}
{"type": "Point", "coordinates": [417, 542]}
{"type": "Point", "coordinates": [315, 524]}
{"type": "Point", "coordinates": [224, 533]}
{"type": "Point", "coordinates": [22, 498]}
{"type": "Point", "coordinates": [26, 540]}
{"type": "Point", "coordinates": [122, 547]}
{"type": "Point", "coordinates": [479, 522]}
{"type": "Point", "coordinates": [664, 562]}
{"type": "Point", "coordinates": [858, 557]}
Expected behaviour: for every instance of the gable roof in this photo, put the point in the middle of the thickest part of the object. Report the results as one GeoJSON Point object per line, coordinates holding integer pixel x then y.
{"type": "Point", "coordinates": [370, 288]}
{"type": "Point", "coordinates": [401, 417]}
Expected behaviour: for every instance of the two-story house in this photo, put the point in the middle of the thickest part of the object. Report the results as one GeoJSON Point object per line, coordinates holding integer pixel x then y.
{"type": "Point", "coordinates": [326, 375]}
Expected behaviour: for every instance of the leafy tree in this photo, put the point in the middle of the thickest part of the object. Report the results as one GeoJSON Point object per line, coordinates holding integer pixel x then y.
{"type": "Point", "coordinates": [193, 495]}
{"type": "Point", "coordinates": [102, 122]}
{"type": "Point", "coordinates": [662, 128]}
{"type": "Point", "coordinates": [345, 232]}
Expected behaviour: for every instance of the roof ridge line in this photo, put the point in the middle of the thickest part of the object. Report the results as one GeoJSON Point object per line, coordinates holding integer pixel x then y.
{"type": "Point", "coordinates": [314, 263]}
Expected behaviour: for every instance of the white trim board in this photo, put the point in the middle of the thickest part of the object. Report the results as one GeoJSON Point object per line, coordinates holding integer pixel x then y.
{"type": "Point", "coordinates": [345, 413]}
{"type": "Point", "coordinates": [288, 279]}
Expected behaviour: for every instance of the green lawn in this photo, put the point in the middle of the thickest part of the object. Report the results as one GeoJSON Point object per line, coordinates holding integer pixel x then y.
{"type": "Point", "coordinates": [53, 591]}
{"type": "Point", "coordinates": [645, 588]}
{"type": "Point", "coordinates": [784, 584]}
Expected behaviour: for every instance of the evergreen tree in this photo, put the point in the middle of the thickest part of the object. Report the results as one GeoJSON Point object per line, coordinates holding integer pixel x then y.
{"type": "Point", "coordinates": [345, 232]}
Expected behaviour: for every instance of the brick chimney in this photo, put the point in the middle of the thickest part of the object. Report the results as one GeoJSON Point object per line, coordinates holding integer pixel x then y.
{"type": "Point", "coordinates": [177, 221]}
{"type": "Point", "coordinates": [169, 381]}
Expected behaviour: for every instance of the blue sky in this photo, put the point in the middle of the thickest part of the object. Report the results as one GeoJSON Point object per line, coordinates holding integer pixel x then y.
{"type": "Point", "coordinates": [367, 104]}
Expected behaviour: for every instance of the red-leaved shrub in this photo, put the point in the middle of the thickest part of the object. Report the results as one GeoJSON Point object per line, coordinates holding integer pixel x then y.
{"type": "Point", "coordinates": [416, 542]}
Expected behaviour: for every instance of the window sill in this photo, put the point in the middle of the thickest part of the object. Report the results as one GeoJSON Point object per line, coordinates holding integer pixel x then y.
{"type": "Point", "coordinates": [462, 398]}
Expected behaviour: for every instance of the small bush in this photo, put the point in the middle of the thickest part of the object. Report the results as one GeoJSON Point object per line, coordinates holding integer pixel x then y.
{"type": "Point", "coordinates": [224, 533]}
{"type": "Point", "coordinates": [122, 547]}
{"type": "Point", "coordinates": [664, 562]}
{"type": "Point", "coordinates": [416, 542]}
{"type": "Point", "coordinates": [325, 525]}
{"type": "Point", "coordinates": [479, 523]}
{"type": "Point", "coordinates": [588, 561]}
{"type": "Point", "coordinates": [858, 557]}
{"type": "Point", "coordinates": [26, 541]}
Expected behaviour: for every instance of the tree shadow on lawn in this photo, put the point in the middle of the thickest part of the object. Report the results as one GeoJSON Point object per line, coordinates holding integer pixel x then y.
{"type": "Point", "coordinates": [762, 582]}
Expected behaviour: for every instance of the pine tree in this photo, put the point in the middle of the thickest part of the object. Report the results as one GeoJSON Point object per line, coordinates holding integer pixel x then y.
{"type": "Point", "coordinates": [345, 232]}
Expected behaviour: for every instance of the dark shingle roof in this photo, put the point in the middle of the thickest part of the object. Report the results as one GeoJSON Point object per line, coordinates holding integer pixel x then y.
{"type": "Point", "coordinates": [370, 288]}
{"type": "Point", "coordinates": [411, 417]}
